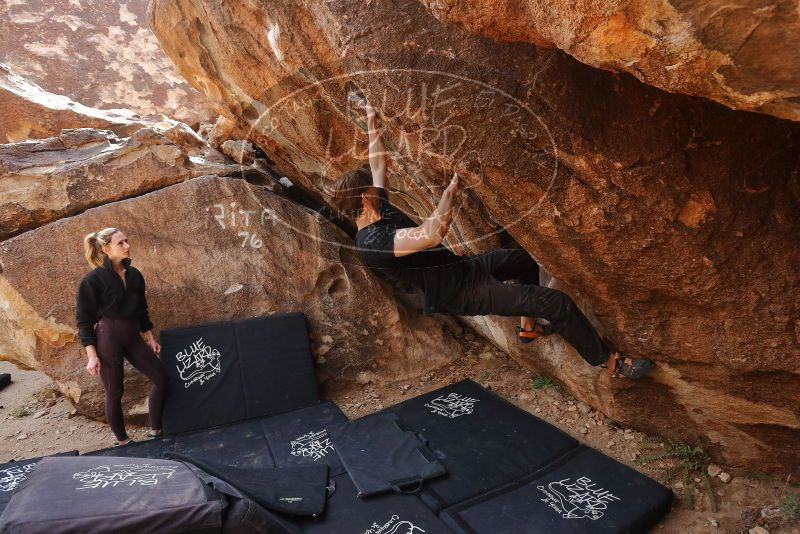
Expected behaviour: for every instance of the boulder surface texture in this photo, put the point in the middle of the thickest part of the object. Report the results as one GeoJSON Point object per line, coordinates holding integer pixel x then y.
{"type": "Point", "coordinates": [675, 218]}
{"type": "Point", "coordinates": [101, 54]}
{"type": "Point", "coordinates": [746, 55]}
{"type": "Point", "coordinates": [46, 179]}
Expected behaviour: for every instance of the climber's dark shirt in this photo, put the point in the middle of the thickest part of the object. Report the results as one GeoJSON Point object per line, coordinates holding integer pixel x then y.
{"type": "Point", "coordinates": [435, 270]}
{"type": "Point", "coordinates": [101, 293]}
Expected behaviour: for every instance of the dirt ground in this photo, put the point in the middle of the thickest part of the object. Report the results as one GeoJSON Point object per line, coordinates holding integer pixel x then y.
{"type": "Point", "coordinates": [36, 421]}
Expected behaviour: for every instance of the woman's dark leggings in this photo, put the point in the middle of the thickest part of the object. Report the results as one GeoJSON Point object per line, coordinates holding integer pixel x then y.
{"type": "Point", "coordinates": [486, 294]}
{"type": "Point", "coordinates": [117, 338]}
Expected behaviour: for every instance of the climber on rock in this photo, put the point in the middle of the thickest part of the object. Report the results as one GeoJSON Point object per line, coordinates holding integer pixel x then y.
{"type": "Point", "coordinates": [390, 242]}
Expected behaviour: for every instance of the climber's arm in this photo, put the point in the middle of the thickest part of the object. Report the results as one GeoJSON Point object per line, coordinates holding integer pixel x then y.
{"type": "Point", "coordinates": [433, 229]}
{"type": "Point", "coordinates": [377, 153]}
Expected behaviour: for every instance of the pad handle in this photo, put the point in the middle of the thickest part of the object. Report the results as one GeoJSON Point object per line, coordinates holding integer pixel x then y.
{"type": "Point", "coordinates": [399, 485]}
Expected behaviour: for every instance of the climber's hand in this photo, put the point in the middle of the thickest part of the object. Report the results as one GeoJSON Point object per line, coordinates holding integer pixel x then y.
{"type": "Point", "coordinates": [371, 114]}
{"type": "Point", "coordinates": [455, 187]}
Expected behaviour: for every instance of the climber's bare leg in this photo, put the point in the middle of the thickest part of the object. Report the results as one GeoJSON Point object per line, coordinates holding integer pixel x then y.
{"type": "Point", "coordinates": [628, 367]}
{"type": "Point", "coordinates": [526, 323]}
{"type": "Point", "coordinates": [611, 361]}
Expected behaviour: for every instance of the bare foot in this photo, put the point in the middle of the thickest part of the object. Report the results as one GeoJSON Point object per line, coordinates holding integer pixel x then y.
{"type": "Point", "coordinates": [611, 362]}
{"type": "Point", "coordinates": [629, 368]}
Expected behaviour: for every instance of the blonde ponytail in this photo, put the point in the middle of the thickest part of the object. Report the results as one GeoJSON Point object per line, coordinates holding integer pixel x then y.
{"type": "Point", "coordinates": [92, 244]}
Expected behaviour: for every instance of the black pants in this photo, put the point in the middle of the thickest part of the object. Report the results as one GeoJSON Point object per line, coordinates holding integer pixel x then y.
{"type": "Point", "coordinates": [484, 293]}
{"type": "Point", "coordinates": [117, 338]}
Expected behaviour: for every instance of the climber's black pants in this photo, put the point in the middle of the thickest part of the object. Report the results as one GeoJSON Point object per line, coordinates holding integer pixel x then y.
{"type": "Point", "coordinates": [484, 293]}
{"type": "Point", "coordinates": [118, 338]}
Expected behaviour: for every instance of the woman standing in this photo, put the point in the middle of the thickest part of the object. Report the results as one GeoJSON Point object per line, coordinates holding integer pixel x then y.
{"type": "Point", "coordinates": [112, 297]}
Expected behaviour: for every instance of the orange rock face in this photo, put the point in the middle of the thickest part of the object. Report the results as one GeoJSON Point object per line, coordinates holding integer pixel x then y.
{"type": "Point", "coordinates": [746, 56]}
{"type": "Point", "coordinates": [100, 54]}
{"type": "Point", "coordinates": [676, 218]}
{"type": "Point", "coordinates": [48, 179]}
{"type": "Point", "coordinates": [30, 112]}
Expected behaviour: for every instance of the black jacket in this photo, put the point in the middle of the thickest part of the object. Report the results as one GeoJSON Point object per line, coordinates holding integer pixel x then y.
{"type": "Point", "coordinates": [101, 293]}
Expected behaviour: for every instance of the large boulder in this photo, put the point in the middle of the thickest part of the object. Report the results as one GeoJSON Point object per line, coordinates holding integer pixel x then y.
{"type": "Point", "coordinates": [45, 180]}
{"type": "Point", "coordinates": [29, 112]}
{"type": "Point", "coordinates": [675, 217]}
{"type": "Point", "coordinates": [213, 249]}
{"type": "Point", "coordinates": [98, 53]}
{"type": "Point", "coordinates": [746, 56]}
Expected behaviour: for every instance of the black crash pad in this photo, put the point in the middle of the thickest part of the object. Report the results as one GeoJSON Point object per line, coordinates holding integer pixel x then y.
{"type": "Point", "coordinates": [483, 440]}
{"type": "Point", "coordinates": [383, 514]}
{"type": "Point", "coordinates": [105, 494]}
{"type": "Point", "coordinates": [12, 474]}
{"type": "Point", "coordinates": [151, 448]}
{"type": "Point", "coordinates": [204, 373]}
{"type": "Point", "coordinates": [229, 371]}
{"type": "Point", "coordinates": [381, 455]}
{"type": "Point", "coordinates": [301, 438]}
{"type": "Point", "coordinates": [239, 444]}
{"type": "Point", "coordinates": [584, 492]}
{"type": "Point", "coordinates": [5, 379]}
{"type": "Point", "coordinates": [278, 364]}
{"type": "Point", "coordinates": [298, 491]}
{"type": "Point", "coordinates": [94, 494]}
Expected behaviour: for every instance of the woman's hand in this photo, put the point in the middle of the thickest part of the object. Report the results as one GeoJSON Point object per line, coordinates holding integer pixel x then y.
{"type": "Point", "coordinates": [93, 365]}
{"type": "Point", "coordinates": [442, 216]}
{"type": "Point", "coordinates": [454, 187]}
{"type": "Point", "coordinates": [153, 344]}
{"type": "Point", "coordinates": [370, 112]}
{"type": "Point", "coordinates": [452, 193]}
{"type": "Point", "coordinates": [448, 200]}
{"type": "Point", "coordinates": [150, 339]}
